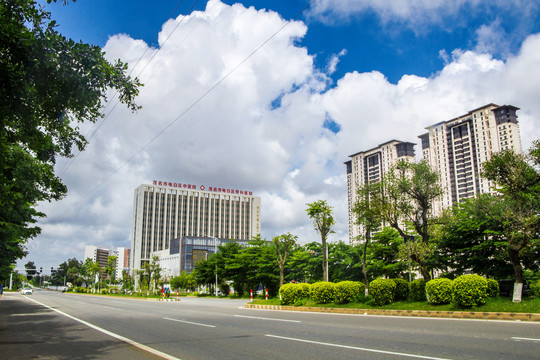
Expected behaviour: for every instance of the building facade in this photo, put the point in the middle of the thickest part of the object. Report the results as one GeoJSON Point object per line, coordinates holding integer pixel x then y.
{"type": "Point", "coordinates": [164, 211]}
{"type": "Point", "coordinates": [368, 167]}
{"type": "Point", "coordinates": [101, 255]}
{"type": "Point", "coordinates": [457, 148]}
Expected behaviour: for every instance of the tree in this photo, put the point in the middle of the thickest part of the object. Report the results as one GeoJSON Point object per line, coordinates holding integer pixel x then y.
{"type": "Point", "coordinates": [90, 269]}
{"type": "Point", "coordinates": [50, 84]}
{"type": "Point", "coordinates": [368, 215]}
{"type": "Point", "coordinates": [517, 183]}
{"type": "Point", "coordinates": [111, 268]}
{"type": "Point", "coordinates": [30, 270]}
{"type": "Point", "coordinates": [405, 198]}
{"type": "Point", "coordinates": [471, 239]}
{"type": "Point", "coordinates": [321, 214]}
{"type": "Point", "coordinates": [284, 244]}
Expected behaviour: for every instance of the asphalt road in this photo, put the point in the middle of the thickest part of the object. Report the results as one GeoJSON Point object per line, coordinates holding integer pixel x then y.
{"type": "Point", "coordinates": [61, 326]}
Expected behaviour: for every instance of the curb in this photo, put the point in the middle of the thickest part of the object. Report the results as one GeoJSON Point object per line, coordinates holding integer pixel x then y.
{"type": "Point", "coordinates": [410, 313]}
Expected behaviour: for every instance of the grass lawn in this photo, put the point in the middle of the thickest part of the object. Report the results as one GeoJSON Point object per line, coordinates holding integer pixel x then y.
{"type": "Point", "coordinates": [499, 304]}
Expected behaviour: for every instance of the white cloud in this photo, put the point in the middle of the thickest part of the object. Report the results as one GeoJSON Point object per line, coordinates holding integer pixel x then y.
{"type": "Point", "coordinates": [239, 135]}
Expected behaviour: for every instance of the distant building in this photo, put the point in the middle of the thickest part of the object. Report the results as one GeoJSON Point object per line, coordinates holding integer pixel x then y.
{"type": "Point", "coordinates": [368, 167]}
{"type": "Point", "coordinates": [101, 255]}
{"type": "Point", "coordinates": [165, 211]}
{"type": "Point", "coordinates": [457, 148]}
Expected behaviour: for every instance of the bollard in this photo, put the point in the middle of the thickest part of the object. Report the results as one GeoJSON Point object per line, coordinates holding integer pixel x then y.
{"type": "Point", "coordinates": [266, 290]}
{"type": "Point", "coordinates": [251, 294]}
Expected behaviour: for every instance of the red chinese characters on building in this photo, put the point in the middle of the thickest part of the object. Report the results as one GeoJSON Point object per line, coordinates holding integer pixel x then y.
{"type": "Point", "coordinates": [202, 187]}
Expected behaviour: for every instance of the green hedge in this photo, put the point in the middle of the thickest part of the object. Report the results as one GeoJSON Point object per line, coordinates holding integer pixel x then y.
{"type": "Point", "coordinates": [323, 292]}
{"type": "Point", "coordinates": [305, 290]}
{"type": "Point", "coordinates": [290, 293]}
{"type": "Point", "coordinates": [382, 291]}
{"type": "Point", "coordinates": [402, 289]}
{"type": "Point", "coordinates": [439, 291]}
{"type": "Point", "coordinates": [418, 290]}
{"type": "Point", "coordinates": [493, 288]}
{"type": "Point", "coordinates": [469, 291]}
{"type": "Point", "coordinates": [347, 291]}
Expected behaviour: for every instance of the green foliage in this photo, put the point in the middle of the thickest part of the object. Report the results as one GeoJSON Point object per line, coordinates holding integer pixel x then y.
{"type": "Point", "coordinates": [493, 288]}
{"type": "Point", "coordinates": [347, 291]}
{"type": "Point", "coordinates": [50, 85]}
{"type": "Point", "coordinates": [439, 291]}
{"type": "Point", "coordinates": [418, 290]}
{"type": "Point", "coordinates": [382, 291]}
{"type": "Point", "coordinates": [323, 220]}
{"type": "Point", "coordinates": [402, 290]}
{"type": "Point", "coordinates": [290, 293]}
{"type": "Point", "coordinates": [305, 290]}
{"type": "Point", "coordinates": [323, 292]}
{"type": "Point", "coordinates": [535, 288]}
{"type": "Point", "coordinates": [469, 291]}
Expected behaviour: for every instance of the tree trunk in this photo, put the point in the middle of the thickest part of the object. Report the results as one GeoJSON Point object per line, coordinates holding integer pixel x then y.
{"type": "Point", "coordinates": [364, 265]}
{"type": "Point", "coordinates": [325, 260]}
{"type": "Point", "coordinates": [518, 274]}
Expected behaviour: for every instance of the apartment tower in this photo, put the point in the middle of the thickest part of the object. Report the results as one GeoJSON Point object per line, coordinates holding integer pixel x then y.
{"type": "Point", "coordinates": [368, 167]}
{"type": "Point", "coordinates": [456, 149]}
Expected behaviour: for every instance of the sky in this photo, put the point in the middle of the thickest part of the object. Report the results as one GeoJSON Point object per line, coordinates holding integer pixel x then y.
{"type": "Point", "coordinates": [273, 97]}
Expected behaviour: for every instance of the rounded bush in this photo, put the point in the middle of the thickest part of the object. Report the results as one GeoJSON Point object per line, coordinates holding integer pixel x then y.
{"type": "Point", "coordinates": [439, 291]}
{"type": "Point", "coordinates": [469, 291]}
{"type": "Point", "coordinates": [289, 293]}
{"type": "Point", "coordinates": [323, 292]}
{"type": "Point", "coordinates": [402, 290]}
{"type": "Point", "coordinates": [418, 290]}
{"type": "Point", "coordinates": [382, 291]}
{"type": "Point", "coordinates": [346, 291]}
{"type": "Point", "coordinates": [493, 288]}
{"type": "Point", "coordinates": [305, 290]}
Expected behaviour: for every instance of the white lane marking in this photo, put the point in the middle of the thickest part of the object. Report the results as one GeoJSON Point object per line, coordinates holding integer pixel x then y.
{"type": "Point", "coordinates": [526, 339]}
{"type": "Point", "coordinates": [189, 322]}
{"type": "Point", "coordinates": [263, 318]}
{"type": "Point", "coordinates": [357, 348]}
{"type": "Point", "coordinates": [107, 332]}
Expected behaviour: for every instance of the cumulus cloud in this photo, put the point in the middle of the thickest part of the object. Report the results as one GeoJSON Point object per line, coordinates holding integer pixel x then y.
{"type": "Point", "coordinates": [262, 126]}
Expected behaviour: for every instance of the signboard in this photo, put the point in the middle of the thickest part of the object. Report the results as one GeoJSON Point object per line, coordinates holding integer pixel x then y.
{"type": "Point", "coordinates": [201, 187]}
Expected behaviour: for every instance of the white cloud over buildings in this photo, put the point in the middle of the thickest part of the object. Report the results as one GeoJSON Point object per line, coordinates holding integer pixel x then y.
{"type": "Point", "coordinates": [216, 114]}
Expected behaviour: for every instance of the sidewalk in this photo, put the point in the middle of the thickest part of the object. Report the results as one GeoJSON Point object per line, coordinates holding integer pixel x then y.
{"type": "Point", "coordinates": [415, 313]}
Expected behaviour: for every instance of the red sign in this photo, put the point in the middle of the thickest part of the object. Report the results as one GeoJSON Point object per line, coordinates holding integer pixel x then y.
{"type": "Point", "coordinates": [202, 188]}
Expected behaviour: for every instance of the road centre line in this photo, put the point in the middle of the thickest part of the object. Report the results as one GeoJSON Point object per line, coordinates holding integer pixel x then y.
{"type": "Point", "coordinates": [107, 332]}
{"type": "Point", "coordinates": [189, 322]}
{"type": "Point", "coordinates": [357, 348]}
{"type": "Point", "coordinates": [270, 319]}
{"type": "Point", "coordinates": [526, 339]}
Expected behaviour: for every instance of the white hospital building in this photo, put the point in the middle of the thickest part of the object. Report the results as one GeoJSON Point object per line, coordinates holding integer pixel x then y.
{"type": "Point", "coordinates": [164, 211]}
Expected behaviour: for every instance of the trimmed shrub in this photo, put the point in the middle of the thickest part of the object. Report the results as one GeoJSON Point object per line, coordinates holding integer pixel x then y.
{"type": "Point", "coordinates": [493, 288]}
{"type": "Point", "coordinates": [382, 291]}
{"type": "Point", "coordinates": [439, 291]}
{"type": "Point", "coordinates": [469, 291]}
{"type": "Point", "coordinates": [346, 291]}
{"type": "Point", "coordinates": [290, 293]}
{"type": "Point", "coordinates": [323, 292]}
{"type": "Point", "coordinates": [418, 290]}
{"type": "Point", "coordinates": [402, 290]}
{"type": "Point", "coordinates": [305, 290]}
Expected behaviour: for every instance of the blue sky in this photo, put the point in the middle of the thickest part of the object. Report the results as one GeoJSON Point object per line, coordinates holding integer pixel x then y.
{"type": "Point", "coordinates": [343, 77]}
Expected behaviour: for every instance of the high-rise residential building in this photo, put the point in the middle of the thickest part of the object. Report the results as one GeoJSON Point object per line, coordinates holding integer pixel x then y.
{"type": "Point", "coordinates": [165, 211]}
{"type": "Point", "coordinates": [99, 255]}
{"type": "Point", "coordinates": [368, 167]}
{"type": "Point", "coordinates": [456, 149]}
{"type": "Point", "coordinates": [122, 261]}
